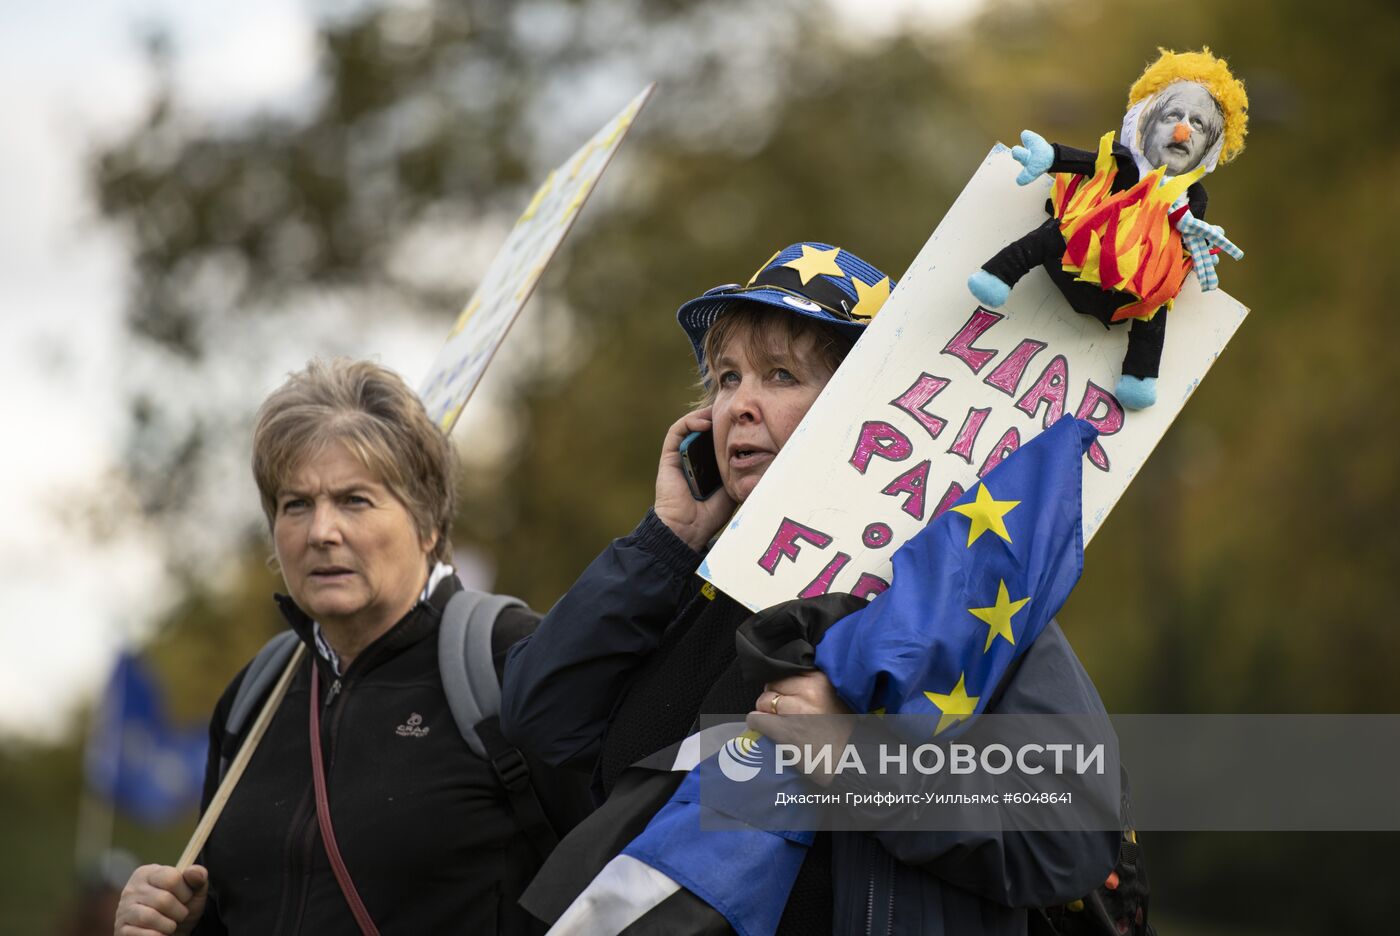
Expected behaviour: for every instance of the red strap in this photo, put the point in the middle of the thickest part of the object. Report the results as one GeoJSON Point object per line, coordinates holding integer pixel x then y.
{"type": "Point", "coordinates": [323, 814]}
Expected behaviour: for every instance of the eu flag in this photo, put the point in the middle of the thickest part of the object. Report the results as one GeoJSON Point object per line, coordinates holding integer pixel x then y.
{"type": "Point", "coordinates": [135, 758]}
{"type": "Point", "coordinates": [971, 591]}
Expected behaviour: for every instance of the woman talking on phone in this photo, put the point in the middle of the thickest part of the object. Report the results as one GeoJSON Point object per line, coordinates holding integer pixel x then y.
{"type": "Point", "coordinates": [621, 667]}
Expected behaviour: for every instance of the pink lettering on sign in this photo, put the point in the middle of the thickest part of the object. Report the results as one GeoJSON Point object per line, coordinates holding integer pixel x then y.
{"type": "Point", "coordinates": [967, 435]}
{"type": "Point", "coordinates": [879, 438]}
{"type": "Point", "coordinates": [785, 543]}
{"type": "Point", "coordinates": [913, 401]}
{"type": "Point", "coordinates": [912, 482]}
{"type": "Point", "coordinates": [1108, 423]}
{"type": "Point", "coordinates": [1009, 442]}
{"type": "Point", "coordinates": [877, 535]}
{"type": "Point", "coordinates": [1007, 375]}
{"type": "Point", "coordinates": [1049, 388]}
{"type": "Point", "coordinates": [949, 498]}
{"type": "Point", "coordinates": [868, 586]}
{"type": "Point", "coordinates": [961, 345]}
{"type": "Point", "coordinates": [822, 583]}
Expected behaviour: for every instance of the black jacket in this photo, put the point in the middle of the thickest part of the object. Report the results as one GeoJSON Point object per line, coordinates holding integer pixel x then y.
{"type": "Point", "coordinates": [564, 686]}
{"type": "Point", "coordinates": [423, 824]}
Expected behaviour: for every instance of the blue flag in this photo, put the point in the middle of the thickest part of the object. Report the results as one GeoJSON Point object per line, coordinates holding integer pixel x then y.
{"type": "Point", "coordinates": [970, 593]}
{"type": "Point", "coordinates": [135, 758]}
{"type": "Point", "coordinates": [976, 587]}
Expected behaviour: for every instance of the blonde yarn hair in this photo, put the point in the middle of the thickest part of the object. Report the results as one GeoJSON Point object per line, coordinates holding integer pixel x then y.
{"type": "Point", "coordinates": [1214, 75]}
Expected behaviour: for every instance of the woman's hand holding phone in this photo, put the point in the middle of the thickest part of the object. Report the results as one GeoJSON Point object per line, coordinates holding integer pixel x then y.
{"type": "Point", "coordinates": [694, 521]}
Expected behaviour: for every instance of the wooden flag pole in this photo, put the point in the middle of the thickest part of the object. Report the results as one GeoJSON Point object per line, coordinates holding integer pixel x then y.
{"type": "Point", "coordinates": [240, 761]}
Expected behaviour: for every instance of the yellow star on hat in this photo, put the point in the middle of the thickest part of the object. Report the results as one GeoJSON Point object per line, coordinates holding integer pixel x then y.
{"type": "Point", "coordinates": [955, 706]}
{"type": "Point", "coordinates": [870, 299]}
{"type": "Point", "coordinates": [814, 261]}
{"type": "Point", "coordinates": [986, 514]}
{"type": "Point", "coordinates": [998, 617]}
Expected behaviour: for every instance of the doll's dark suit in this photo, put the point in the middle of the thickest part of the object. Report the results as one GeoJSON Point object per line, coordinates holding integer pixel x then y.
{"type": "Point", "coordinates": [1045, 246]}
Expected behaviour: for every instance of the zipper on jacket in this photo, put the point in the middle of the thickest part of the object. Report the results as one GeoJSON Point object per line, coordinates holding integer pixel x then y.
{"type": "Point", "coordinates": [870, 905]}
{"type": "Point", "coordinates": [882, 874]}
{"type": "Point", "coordinates": [330, 696]}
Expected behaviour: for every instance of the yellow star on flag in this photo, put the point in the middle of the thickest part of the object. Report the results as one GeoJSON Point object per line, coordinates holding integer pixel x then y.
{"type": "Point", "coordinates": [986, 514]}
{"type": "Point", "coordinates": [998, 617]}
{"type": "Point", "coordinates": [956, 706]}
{"type": "Point", "coordinates": [814, 261]}
{"type": "Point", "coordinates": [870, 298]}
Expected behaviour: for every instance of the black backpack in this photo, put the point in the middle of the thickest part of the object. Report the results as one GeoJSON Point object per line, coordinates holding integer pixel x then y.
{"type": "Point", "coordinates": [1118, 907]}
{"type": "Point", "coordinates": [473, 695]}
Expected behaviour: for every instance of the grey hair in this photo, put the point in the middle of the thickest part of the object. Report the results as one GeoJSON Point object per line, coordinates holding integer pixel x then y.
{"type": "Point", "coordinates": [373, 413]}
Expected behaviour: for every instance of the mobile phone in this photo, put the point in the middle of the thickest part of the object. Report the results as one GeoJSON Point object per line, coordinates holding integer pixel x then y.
{"type": "Point", "coordinates": [699, 466]}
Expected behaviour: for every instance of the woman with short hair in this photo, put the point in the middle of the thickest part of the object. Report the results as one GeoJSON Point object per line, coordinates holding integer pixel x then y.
{"type": "Point", "coordinates": [357, 486]}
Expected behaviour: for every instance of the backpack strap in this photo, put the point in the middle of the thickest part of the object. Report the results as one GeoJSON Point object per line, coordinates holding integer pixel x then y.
{"type": "Point", "coordinates": [474, 696]}
{"type": "Point", "coordinates": [464, 655]}
{"type": "Point", "coordinates": [257, 682]}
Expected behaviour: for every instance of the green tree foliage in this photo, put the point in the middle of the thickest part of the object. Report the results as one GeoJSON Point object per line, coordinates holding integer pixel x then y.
{"type": "Point", "coordinates": [1244, 571]}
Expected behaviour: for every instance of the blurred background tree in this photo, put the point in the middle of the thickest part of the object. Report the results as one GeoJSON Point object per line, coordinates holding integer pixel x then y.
{"type": "Point", "coordinates": [1243, 572]}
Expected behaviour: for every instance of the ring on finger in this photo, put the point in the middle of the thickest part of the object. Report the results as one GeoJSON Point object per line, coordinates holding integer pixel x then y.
{"type": "Point", "coordinates": [773, 702]}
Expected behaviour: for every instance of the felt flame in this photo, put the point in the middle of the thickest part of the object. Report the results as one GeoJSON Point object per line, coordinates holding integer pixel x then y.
{"type": "Point", "coordinates": [1123, 241]}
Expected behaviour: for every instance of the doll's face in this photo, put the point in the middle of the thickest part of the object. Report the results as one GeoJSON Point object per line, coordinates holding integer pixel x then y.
{"type": "Point", "coordinates": [1180, 127]}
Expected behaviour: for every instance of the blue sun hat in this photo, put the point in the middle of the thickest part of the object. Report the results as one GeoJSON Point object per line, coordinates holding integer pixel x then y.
{"type": "Point", "coordinates": [818, 281]}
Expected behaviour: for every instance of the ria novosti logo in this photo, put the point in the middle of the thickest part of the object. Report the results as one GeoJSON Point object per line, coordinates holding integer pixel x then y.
{"type": "Point", "coordinates": [741, 757]}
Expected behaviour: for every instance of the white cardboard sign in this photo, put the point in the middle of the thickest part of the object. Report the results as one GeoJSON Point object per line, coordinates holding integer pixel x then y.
{"type": "Point", "coordinates": [937, 392]}
{"type": "Point", "coordinates": [512, 275]}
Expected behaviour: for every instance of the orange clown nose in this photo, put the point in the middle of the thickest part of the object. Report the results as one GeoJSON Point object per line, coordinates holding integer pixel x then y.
{"type": "Point", "coordinates": [1181, 134]}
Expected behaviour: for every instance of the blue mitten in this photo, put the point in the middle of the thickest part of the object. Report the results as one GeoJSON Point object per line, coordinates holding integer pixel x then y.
{"type": "Point", "coordinates": [1136, 392]}
{"type": "Point", "coordinates": [1035, 156]}
{"type": "Point", "coordinates": [989, 290]}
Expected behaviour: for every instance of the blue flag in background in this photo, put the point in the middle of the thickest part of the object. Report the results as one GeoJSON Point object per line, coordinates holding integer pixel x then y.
{"type": "Point", "coordinates": [970, 593]}
{"type": "Point", "coordinates": [135, 758]}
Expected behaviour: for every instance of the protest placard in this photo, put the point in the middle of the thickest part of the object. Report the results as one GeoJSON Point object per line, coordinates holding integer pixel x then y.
{"type": "Point", "coordinates": [512, 275]}
{"type": "Point", "coordinates": [937, 392]}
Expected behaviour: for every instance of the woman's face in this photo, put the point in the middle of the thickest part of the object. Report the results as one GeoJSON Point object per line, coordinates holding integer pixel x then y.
{"type": "Point", "coordinates": [758, 405]}
{"type": "Point", "coordinates": [349, 550]}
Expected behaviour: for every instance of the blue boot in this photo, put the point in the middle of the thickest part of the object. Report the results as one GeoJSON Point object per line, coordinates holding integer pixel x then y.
{"type": "Point", "coordinates": [989, 290]}
{"type": "Point", "coordinates": [1136, 392]}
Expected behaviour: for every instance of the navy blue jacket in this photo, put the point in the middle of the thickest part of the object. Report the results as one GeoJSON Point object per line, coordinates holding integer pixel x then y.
{"type": "Point", "coordinates": [563, 683]}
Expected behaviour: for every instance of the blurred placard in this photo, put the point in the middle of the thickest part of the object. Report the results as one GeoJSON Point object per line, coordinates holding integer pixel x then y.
{"type": "Point", "coordinates": [937, 392]}
{"type": "Point", "coordinates": [512, 275]}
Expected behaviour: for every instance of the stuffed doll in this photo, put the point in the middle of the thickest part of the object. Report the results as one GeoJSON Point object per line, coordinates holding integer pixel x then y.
{"type": "Point", "coordinates": [1128, 223]}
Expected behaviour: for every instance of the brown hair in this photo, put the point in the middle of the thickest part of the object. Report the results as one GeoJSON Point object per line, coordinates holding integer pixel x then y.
{"type": "Point", "coordinates": [767, 333]}
{"type": "Point", "coordinates": [370, 410]}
